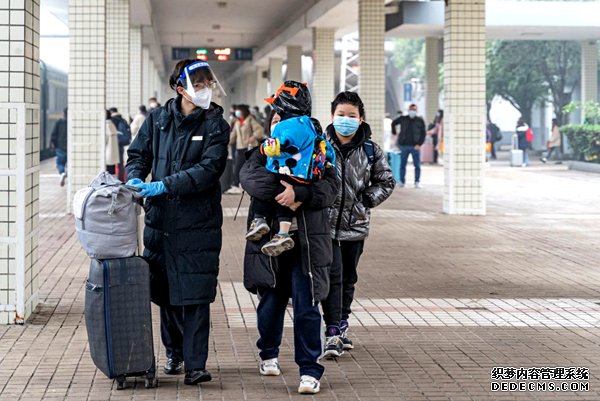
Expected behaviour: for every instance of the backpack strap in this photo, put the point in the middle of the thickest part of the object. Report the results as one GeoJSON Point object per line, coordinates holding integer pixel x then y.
{"type": "Point", "coordinates": [370, 151]}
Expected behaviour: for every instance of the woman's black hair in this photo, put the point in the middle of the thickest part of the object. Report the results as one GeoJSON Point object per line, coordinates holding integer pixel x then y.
{"type": "Point", "coordinates": [108, 114]}
{"type": "Point", "coordinates": [244, 108]}
{"type": "Point", "coordinates": [348, 97]}
{"type": "Point", "coordinates": [143, 110]}
{"type": "Point", "coordinates": [555, 122]}
{"type": "Point", "coordinates": [199, 74]}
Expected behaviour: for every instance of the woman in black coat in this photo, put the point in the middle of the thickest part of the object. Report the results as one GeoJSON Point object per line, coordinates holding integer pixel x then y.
{"type": "Point", "coordinates": [183, 144]}
{"type": "Point", "coordinates": [301, 273]}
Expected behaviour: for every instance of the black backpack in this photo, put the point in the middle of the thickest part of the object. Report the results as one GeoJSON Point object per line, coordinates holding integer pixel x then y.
{"type": "Point", "coordinates": [369, 147]}
{"type": "Point", "coordinates": [124, 131]}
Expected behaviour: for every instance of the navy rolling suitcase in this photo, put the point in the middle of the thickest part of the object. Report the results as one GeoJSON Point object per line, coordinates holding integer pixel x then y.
{"type": "Point", "coordinates": [118, 319]}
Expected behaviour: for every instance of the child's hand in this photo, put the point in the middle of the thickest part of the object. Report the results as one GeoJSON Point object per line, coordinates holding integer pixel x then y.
{"type": "Point", "coordinates": [287, 198]}
{"type": "Point", "coordinates": [295, 206]}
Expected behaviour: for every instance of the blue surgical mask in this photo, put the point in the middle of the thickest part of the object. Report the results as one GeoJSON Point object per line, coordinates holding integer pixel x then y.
{"type": "Point", "coordinates": [412, 113]}
{"type": "Point", "coordinates": [345, 126]}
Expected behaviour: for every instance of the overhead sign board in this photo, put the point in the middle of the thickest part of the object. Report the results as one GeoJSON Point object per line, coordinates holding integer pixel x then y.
{"type": "Point", "coordinates": [408, 89]}
{"type": "Point", "coordinates": [212, 53]}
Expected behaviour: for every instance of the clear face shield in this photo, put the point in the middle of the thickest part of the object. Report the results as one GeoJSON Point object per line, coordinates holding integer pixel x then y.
{"type": "Point", "coordinates": [198, 76]}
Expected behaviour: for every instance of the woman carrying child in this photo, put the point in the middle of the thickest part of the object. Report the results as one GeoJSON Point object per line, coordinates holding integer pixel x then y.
{"type": "Point", "coordinates": [301, 270]}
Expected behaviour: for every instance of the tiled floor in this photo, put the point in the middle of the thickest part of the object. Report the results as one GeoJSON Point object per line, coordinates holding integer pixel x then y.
{"type": "Point", "coordinates": [441, 300]}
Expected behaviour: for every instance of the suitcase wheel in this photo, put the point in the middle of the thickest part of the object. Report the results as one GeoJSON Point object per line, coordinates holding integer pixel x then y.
{"type": "Point", "coordinates": [121, 382]}
{"type": "Point", "coordinates": [151, 381]}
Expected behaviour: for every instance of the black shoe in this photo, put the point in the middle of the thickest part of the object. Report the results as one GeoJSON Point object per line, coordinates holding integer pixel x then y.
{"type": "Point", "coordinates": [334, 347]}
{"type": "Point", "coordinates": [197, 376]}
{"type": "Point", "coordinates": [347, 343]}
{"type": "Point", "coordinates": [344, 336]}
{"type": "Point", "coordinates": [173, 367]}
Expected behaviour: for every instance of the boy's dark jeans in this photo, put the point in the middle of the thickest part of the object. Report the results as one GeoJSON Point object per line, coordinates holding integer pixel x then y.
{"type": "Point", "coordinates": [343, 278]}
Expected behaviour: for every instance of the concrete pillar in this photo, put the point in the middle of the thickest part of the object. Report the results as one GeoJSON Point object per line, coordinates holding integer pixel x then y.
{"type": "Point", "coordinates": [323, 56]}
{"type": "Point", "coordinates": [87, 97]}
{"type": "Point", "coordinates": [19, 159]}
{"type": "Point", "coordinates": [262, 87]}
{"type": "Point", "coordinates": [432, 85]}
{"type": "Point", "coordinates": [250, 83]}
{"type": "Point", "coordinates": [117, 55]}
{"type": "Point", "coordinates": [241, 90]}
{"type": "Point", "coordinates": [155, 82]}
{"type": "Point", "coordinates": [589, 71]}
{"type": "Point", "coordinates": [371, 80]}
{"type": "Point", "coordinates": [145, 74]}
{"type": "Point", "coordinates": [464, 114]}
{"type": "Point", "coordinates": [135, 70]}
{"type": "Point", "coordinates": [275, 76]}
{"type": "Point", "coordinates": [294, 63]}
{"type": "Point", "coordinates": [159, 85]}
{"type": "Point", "coordinates": [152, 79]}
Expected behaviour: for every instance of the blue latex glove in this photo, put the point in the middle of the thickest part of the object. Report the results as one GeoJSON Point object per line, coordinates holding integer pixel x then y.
{"type": "Point", "coordinates": [152, 189]}
{"type": "Point", "coordinates": [134, 182]}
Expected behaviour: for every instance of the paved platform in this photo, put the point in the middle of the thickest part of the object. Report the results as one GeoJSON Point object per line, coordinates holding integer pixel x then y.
{"type": "Point", "coordinates": [441, 300]}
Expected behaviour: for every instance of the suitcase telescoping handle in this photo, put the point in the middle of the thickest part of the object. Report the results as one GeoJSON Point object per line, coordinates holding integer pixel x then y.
{"type": "Point", "coordinates": [137, 198]}
{"type": "Point", "coordinates": [514, 142]}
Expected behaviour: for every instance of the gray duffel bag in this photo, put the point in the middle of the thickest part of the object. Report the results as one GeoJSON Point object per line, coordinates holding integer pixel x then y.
{"type": "Point", "coordinates": [106, 218]}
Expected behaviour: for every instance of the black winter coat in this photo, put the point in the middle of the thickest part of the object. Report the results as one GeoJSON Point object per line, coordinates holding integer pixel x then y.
{"type": "Point", "coordinates": [123, 130]}
{"type": "Point", "coordinates": [522, 137]}
{"type": "Point", "coordinates": [412, 131]}
{"type": "Point", "coordinates": [365, 185]}
{"type": "Point", "coordinates": [183, 227]}
{"type": "Point", "coordinates": [59, 134]}
{"type": "Point", "coordinates": [261, 271]}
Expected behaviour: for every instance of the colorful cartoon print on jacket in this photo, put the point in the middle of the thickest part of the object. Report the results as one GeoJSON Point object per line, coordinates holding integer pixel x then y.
{"type": "Point", "coordinates": [296, 149]}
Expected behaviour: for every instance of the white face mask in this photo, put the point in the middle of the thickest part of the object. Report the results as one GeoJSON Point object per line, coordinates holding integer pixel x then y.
{"type": "Point", "coordinates": [201, 98]}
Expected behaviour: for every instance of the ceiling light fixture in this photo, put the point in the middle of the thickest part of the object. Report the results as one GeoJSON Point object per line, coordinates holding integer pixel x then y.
{"type": "Point", "coordinates": [216, 27]}
{"type": "Point", "coordinates": [222, 4]}
{"type": "Point", "coordinates": [210, 40]}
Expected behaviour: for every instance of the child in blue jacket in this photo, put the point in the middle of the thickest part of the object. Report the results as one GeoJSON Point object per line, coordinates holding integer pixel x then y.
{"type": "Point", "coordinates": [297, 153]}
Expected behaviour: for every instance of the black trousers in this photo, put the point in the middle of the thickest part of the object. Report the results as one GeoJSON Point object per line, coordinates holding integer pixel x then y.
{"type": "Point", "coordinates": [184, 331]}
{"type": "Point", "coordinates": [120, 166]}
{"type": "Point", "coordinates": [343, 278]}
{"type": "Point", "coordinates": [435, 152]}
{"type": "Point", "coordinates": [239, 159]}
